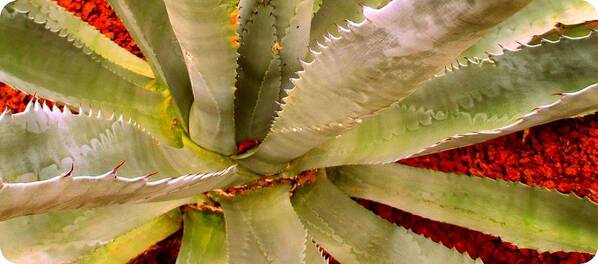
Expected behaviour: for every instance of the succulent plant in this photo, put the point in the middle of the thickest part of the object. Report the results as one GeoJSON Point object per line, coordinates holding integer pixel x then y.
{"type": "Point", "coordinates": [263, 117]}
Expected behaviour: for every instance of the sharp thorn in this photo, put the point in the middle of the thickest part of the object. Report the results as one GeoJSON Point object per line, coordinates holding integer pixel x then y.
{"type": "Point", "coordinates": [118, 166]}
{"type": "Point", "coordinates": [70, 171]}
{"type": "Point", "coordinates": [150, 174]}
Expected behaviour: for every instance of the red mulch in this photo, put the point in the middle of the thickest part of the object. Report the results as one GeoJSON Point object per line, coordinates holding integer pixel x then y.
{"type": "Point", "coordinates": [165, 252]}
{"type": "Point", "coordinates": [99, 14]}
{"type": "Point", "coordinates": [562, 155]}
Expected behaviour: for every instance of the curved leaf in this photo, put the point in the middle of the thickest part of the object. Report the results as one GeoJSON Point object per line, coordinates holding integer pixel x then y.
{"type": "Point", "coordinates": [148, 23]}
{"type": "Point", "coordinates": [259, 75]}
{"type": "Point", "coordinates": [363, 71]}
{"type": "Point", "coordinates": [529, 217]}
{"type": "Point", "coordinates": [331, 13]}
{"type": "Point", "coordinates": [60, 237]}
{"type": "Point", "coordinates": [135, 242]}
{"type": "Point", "coordinates": [258, 223]}
{"type": "Point", "coordinates": [536, 18]}
{"type": "Point", "coordinates": [41, 143]}
{"type": "Point", "coordinates": [351, 234]}
{"type": "Point", "coordinates": [295, 43]}
{"type": "Point", "coordinates": [312, 253]}
{"type": "Point", "coordinates": [477, 102]}
{"type": "Point", "coordinates": [204, 239]}
{"type": "Point", "coordinates": [37, 61]}
{"type": "Point", "coordinates": [74, 192]}
{"type": "Point", "coordinates": [57, 19]}
{"type": "Point", "coordinates": [274, 39]}
{"type": "Point", "coordinates": [207, 38]}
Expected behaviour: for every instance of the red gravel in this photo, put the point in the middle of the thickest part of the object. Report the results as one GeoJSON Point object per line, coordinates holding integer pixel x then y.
{"type": "Point", "coordinates": [562, 155]}
{"type": "Point", "coordinates": [99, 14]}
{"type": "Point", "coordinates": [13, 100]}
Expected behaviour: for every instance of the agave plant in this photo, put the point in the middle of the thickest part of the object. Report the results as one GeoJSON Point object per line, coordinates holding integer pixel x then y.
{"type": "Point", "coordinates": [325, 111]}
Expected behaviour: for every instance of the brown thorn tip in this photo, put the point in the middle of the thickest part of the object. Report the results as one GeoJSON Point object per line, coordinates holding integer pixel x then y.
{"type": "Point", "coordinates": [70, 171]}
{"type": "Point", "coordinates": [118, 166]}
{"type": "Point", "coordinates": [150, 174]}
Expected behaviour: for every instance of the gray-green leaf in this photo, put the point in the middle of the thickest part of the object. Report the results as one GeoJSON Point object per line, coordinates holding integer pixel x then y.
{"type": "Point", "coordinates": [148, 23]}
{"type": "Point", "coordinates": [204, 30]}
{"type": "Point", "coordinates": [370, 66]}
{"type": "Point", "coordinates": [351, 234]}
{"type": "Point", "coordinates": [73, 192]}
{"type": "Point", "coordinates": [60, 237]}
{"type": "Point", "coordinates": [204, 239]}
{"type": "Point", "coordinates": [477, 102]}
{"type": "Point", "coordinates": [528, 217]}
{"type": "Point", "coordinates": [262, 227]}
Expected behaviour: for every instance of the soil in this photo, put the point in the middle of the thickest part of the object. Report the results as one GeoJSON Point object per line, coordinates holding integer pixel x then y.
{"type": "Point", "coordinates": [562, 155]}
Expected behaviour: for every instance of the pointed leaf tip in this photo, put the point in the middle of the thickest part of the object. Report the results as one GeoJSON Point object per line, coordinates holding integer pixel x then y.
{"type": "Point", "coordinates": [118, 166]}
{"type": "Point", "coordinates": [70, 171]}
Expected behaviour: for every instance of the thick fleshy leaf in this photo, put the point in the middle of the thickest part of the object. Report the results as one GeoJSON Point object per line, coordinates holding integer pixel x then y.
{"type": "Point", "coordinates": [246, 9]}
{"type": "Point", "coordinates": [573, 31]}
{"type": "Point", "coordinates": [63, 237]}
{"type": "Point", "coordinates": [477, 102]}
{"type": "Point", "coordinates": [41, 143]}
{"type": "Point", "coordinates": [207, 36]}
{"type": "Point", "coordinates": [536, 18]}
{"type": "Point", "coordinates": [73, 192]}
{"type": "Point", "coordinates": [261, 227]}
{"type": "Point", "coordinates": [135, 242]}
{"type": "Point", "coordinates": [312, 253]}
{"type": "Point", "coordinates": [529, 217]}
{"type": "Point", "coordinates": [40, 62]}
{"type": "Point", "coordinates": [148, 23]}
{"type": "Point", "coordinates": [259, 75]}
{"type": "Point", "coordinates": [57, 19]}
{"type": "Point", "coordinates": [274, 39]}
{"type": "Point", "coordinates": [352, 234]}
{"type": "Point", "coordinates": [295, 43]}
{"type": "Point", "coordinates": [204, 239]}
{"type": "Point", "coordinates": [364, 70]}
{"type": "Point", "coordinates": [331, 13]}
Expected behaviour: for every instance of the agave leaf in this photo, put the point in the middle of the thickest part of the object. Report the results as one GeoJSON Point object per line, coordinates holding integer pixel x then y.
{"type": "Point", "coordinates": [529, 217]}
{"type": "Point", "coordinates": [317, 5]}
{"type": "Point", "coordinates": [574, 31]}
{"type": "Point", "coordinates": [578, 103]}
{"type": "Point", "coordinates": [204, 239]}
{"type": "Point", "coordinates": [312, 253]}
{"type": "Point", "coordinates": [259, 75]}
{"type": "Point", "coordinates": [477, 102]}
{"type": "Point", "coordinates": [274, 38]}
{"type": "Point", "coordinates": [41, 143]}
{"type": "Point", "coordinates": [58, 19]}
{"type": "Point", "coordinates": [351, 234]}
{"type": "Point", "coordinates": [135, 242]}
{"type": "Point", "coordinates": [66, 236]}
{"type": "Point", "coordinates": [246, 9]}
{"type": "Point", "coordinates": [208, 42]}
{"type": "Point", "coordinates": [331, 13]}
{"type": "Point", "coordinates": [262, 227]}
{"type": "Point", "coordinates": [283, 12]}
{"type": "Point", "coordinates": [295, 43]}
{"type": "Point", "coordinates": [536, 18]}
{"type": "Point", "coordinates": [364, 70]}
{"type": "Point", "coordinates": [37, 61]}
{"type": "Point", "coordinates": [74, 192]}
{"type": "Point", "coordinates": [148, 23]}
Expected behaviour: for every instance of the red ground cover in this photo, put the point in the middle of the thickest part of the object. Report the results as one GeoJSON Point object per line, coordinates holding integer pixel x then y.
{"type": "Point", "coordinates": [562, 155]}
